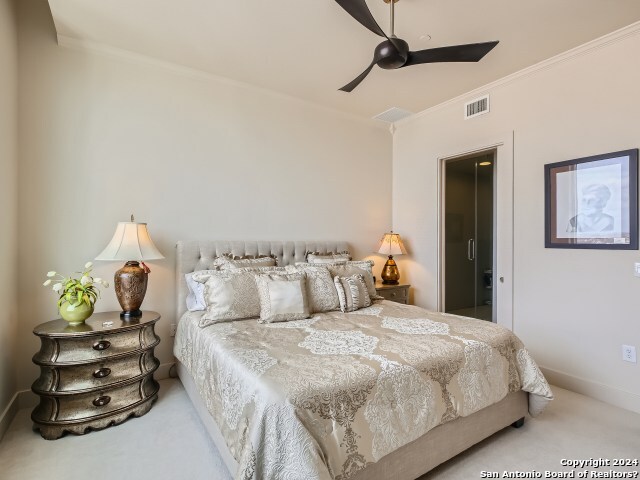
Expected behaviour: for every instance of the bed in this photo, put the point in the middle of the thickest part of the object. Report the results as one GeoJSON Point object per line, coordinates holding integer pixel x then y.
{"type": "Point", "coordinates": [387, 391]}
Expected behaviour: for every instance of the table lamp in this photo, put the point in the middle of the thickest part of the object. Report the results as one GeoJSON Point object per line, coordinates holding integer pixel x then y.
{"type": "Point", "coordinates": [391, 244]}
{"type": "Point", "coordinates": [131, 241]}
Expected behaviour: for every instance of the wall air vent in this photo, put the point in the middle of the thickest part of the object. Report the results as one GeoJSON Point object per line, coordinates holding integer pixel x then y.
{"type": "Point", "coordinates": [393, 115]}
{"type": "Point", "coordinates": [476, 107]}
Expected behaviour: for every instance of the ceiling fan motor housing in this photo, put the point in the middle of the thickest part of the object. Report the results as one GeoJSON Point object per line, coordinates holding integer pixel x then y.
{"type": "Point", "coordinates": [392, 55]}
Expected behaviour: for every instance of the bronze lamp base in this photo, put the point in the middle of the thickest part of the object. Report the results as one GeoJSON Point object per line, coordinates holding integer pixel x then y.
{"type": "Point", "coordinates": [390, 274]}
{"type": "Point", "coordinates": [130, 284]}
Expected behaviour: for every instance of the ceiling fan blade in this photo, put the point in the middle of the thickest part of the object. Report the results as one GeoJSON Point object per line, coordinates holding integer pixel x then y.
{"type": "Point", "coordinates": [359, 10]}
{"type": "Point", "coordinates": [356, 81]}
{"type": "Point", "coordinates": [473, 52]}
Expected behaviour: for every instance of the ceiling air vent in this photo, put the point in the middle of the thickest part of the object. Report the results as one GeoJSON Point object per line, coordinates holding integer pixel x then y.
{"type": "Point", "coordinates": [476, 107]}
{"type": "Point", "coordinates": [393, 115]}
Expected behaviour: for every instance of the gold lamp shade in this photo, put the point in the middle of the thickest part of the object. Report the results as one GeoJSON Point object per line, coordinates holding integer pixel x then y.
{"type": "Point", "coordinates": [391, 244]}
{"type": "Point", "coordinates": [131, 241]}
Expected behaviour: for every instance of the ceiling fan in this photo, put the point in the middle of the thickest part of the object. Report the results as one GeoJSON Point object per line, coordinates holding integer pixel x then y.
{"type": "Point", "coordinates": [394, 52]}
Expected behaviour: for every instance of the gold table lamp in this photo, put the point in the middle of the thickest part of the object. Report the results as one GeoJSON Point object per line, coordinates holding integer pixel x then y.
{"type": "Point", "coordinates": [391, 244]}
{"type": "Point", "coordinates": [131, 241]}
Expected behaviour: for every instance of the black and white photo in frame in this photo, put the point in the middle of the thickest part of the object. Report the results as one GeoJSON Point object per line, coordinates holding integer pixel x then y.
{"type": "Point", "coordinates": [592, 202]}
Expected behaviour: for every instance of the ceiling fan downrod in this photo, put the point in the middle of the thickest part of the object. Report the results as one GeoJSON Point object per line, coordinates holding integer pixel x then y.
{"type": "Point", "coordinates": [392, 16]}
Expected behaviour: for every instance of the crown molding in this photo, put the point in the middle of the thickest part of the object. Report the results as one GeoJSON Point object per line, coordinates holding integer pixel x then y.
{"type": "Point", "coordinates": [196, 74]}
{"type": "Point", "coordinates": [584, 49]}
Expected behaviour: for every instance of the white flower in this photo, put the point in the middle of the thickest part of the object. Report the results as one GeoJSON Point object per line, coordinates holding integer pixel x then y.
{"type": "Point", "coordinates": [97, 280]}
{"type": "Point", "coordinates": [51, 274]}
{"type": "Point", "coordinates": [57, 287]}
{"type": "Point", "coordinates": [47, 283]}
{"type": "Point", "coordinates": [85, 279]}
{"type": "Point", "coordinates": [88, 265]}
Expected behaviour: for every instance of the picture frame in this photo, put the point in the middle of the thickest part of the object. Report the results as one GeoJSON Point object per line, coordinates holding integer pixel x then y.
{"type": "Point", "coordinates": [592, 202]}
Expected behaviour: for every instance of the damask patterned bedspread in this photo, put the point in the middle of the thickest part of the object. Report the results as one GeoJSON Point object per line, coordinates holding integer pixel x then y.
{"type": "Point", "coordinates": [324, 397]}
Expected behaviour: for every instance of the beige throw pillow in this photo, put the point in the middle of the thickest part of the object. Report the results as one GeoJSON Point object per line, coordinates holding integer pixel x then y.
{"type": "Point", "coordinates": [227, 263]}
{"type": "Point", "coordinates": [321, 291]}
{"type": "Point", "coordinates": [328, 257]}
{"type": "Point", "coordinates": [230, 294]}
{"type": "Point", "coordinates": [352, 292]}
{"type": "Point", "coordinates": [283, 297]}
{"type": "Point", "coordinates": [363, 268]}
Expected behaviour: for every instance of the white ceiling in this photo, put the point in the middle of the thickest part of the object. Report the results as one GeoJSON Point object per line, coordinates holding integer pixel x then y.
{"type": "Point", "coordinates": [310, 48]}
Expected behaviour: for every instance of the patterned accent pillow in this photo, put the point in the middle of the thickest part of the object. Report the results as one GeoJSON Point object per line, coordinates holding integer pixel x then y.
{"type": "Point", "coordinates": [283, 297]}
{"type": "Point", "coordinates": [363, 268]}
{"type": "Point", "coordinates": [195, 297]}
{"type": "Point", "coordinates": [352, 292]}
{"type": "Point", "coordinates": [229, 295]}
{"type": "Point", "coordinates": [321, 290]}
{"type": "Point", "coordinates": [227, 263]}
{"type": "Point", "coordinates": [314, 257]}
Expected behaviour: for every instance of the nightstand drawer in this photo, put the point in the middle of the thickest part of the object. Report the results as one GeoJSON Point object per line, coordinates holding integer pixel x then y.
{"type": "Point", "coordinates": [101, 374]}
{"type": "Point", "coordinates": [88, 349]}
{"type": "Point", "coordinates": [87, 406]}
{"type": "Point", "coordinates": [396, 294]}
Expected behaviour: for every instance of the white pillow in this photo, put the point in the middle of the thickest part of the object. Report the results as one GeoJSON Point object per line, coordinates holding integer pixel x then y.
{"type": "Point", "coordinates": [321, 290]}
{"type": "Point", "coordinates": [195, 297]}
{"type": "Point", "coordinates": [352, 292]}
{"type": "Point", "coordinates": [283, 297]}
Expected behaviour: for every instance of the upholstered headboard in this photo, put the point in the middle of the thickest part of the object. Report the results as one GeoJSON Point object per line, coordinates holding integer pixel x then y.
{"type": "Point", "coordinates": [199, 255]}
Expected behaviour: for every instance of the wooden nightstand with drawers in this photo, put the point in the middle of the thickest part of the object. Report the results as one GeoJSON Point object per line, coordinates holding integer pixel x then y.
{"type": "Point", "coordinates": [94, 375]}
{"type": "Point", "coordinates": [395, 293]}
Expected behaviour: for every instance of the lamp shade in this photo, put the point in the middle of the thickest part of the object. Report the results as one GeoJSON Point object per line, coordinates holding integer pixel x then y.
{"type": "Point", "coordinates": [130, 242]}
{"type": "Point", "coordinates": [391, 244]}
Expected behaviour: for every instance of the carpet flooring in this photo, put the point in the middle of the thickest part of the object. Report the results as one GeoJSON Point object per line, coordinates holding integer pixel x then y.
{"type": "Point", "coordinates": [170, 443]}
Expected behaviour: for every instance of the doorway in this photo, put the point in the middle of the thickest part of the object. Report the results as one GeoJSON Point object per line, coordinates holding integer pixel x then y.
{"type": "Point", "coordinates": [469, 239]}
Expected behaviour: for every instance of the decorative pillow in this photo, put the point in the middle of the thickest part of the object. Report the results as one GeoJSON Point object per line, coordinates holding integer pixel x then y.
{"type": "Point", "coordinates": [363, 268]}
{"type": "Point", "coordinates": [315, 257]}
{"type": "Point", "coordinates": [321, 291]}
{"type": "Point", "coordinates": [283, 297]}
{"type": "Point", "coordinates": [227, 263]}
{"type": "Point", "coordinates": [352, 292]}
{"type": "Point", "coordinates": [195, 297]}
{"type": "Point", "coordinates": [229, 295]}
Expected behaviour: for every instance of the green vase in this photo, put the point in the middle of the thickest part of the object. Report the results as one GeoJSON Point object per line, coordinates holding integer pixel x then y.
{"type": "Point", "coordinates": [78, 315]}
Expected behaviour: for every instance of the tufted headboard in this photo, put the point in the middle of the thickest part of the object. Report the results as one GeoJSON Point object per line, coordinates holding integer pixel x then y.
{"type": "Point", "coordinates": [199, 255]}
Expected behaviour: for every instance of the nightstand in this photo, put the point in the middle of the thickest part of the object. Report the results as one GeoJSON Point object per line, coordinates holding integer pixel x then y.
{"type": "Point", "coordinates": [395, 293]}
{"type": "Point", "coordinates": [94, 375]}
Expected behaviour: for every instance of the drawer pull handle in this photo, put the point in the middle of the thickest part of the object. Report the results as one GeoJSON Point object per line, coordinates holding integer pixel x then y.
{"type": "Point", "coordinates": [101, 373]}
{"type": "Point", "coordinates": [394, 294]}
{"type": "Point", "coordinates": [102, 401]}
{"type": "Point", "coordinates": [101, 345]}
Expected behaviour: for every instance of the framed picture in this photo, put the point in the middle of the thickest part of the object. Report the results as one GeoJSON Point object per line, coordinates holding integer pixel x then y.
{"type": "Point", "coordinates": [592, 202]}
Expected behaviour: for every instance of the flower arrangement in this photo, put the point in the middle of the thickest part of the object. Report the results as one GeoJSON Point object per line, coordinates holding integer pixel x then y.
{"type": "Point", "coordinates": [76, 291]}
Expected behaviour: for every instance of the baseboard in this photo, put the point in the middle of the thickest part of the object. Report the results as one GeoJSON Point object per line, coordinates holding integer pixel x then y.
{"type": "Point", "coordinates": [164, 371]}
{"type": "Point", "coordinates": [8, 415]}
{"type": "Point", "coordinates": [604, 393]}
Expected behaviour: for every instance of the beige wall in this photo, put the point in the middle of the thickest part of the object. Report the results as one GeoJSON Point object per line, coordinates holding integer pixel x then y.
{"type": "Point", "coordinates": [102, 137]}
{"type": "Point", "coordinates": [572, 308]}
{"type": "Point", "coordinates": [8, 200]}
